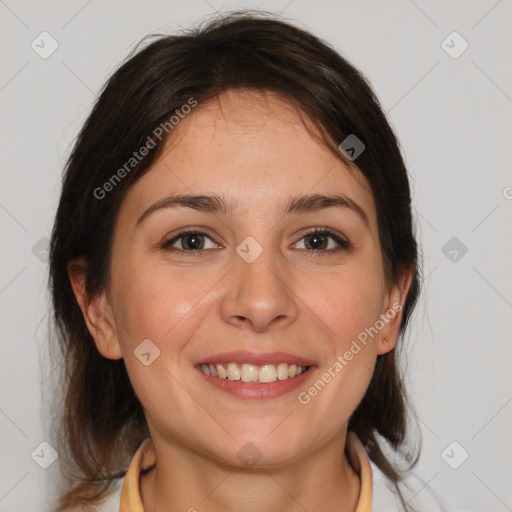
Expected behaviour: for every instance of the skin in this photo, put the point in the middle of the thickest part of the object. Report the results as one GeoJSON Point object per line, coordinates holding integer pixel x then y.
{"type": "Point", "coordinates": [252, 148]}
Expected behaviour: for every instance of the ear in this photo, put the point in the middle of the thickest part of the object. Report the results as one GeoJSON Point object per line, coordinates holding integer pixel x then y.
{"type": "Point", "coordinates": [96, 311]}
{"type": "Point", "coordinates": [391, 314]}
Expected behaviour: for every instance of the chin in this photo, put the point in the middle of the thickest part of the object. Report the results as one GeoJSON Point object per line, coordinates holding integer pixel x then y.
{"type": "Point", "coordinates": [247, 450]}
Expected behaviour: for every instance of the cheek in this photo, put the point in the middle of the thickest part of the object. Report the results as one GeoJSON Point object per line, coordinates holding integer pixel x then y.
{"type": "Point", "coordinates": [163, 306]}
{"type": "Point", "coordinates": [168, 309]}
{"type": "Point", "coordinates": [348, 305]}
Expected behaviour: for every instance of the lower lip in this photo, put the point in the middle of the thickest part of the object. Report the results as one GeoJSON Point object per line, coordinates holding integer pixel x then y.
{"type": "Point", "coordinates": [257, 390]}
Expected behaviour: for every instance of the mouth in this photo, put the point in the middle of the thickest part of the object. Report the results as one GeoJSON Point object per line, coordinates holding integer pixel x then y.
{"type": "Point", "coordinates": [260, 376]}
{"type": "Point", "coordinates": [247, 372]}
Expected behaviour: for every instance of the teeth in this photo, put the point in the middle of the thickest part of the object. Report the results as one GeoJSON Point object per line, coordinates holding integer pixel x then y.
{"type": "Point", "coordinates": [233, 372]}
{"type": "Point", "coordinates": [268, 373]}
{"type": "Point", "coordinates": [249, 373]}
{"type": "Point", "coordinates": [221, 372]}
{"type": "Point", "coordinates": [282, 371]}
{"type": "Point", "coordinates": [252, 373]}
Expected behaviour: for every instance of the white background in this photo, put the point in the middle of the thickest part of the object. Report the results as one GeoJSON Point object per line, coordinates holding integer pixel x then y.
{"type": "Point", "coordinates": [453, 117]}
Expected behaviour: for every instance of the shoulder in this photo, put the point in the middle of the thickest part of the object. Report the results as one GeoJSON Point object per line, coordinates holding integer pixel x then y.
{"type": "Point", "coordinates": [415, 491]}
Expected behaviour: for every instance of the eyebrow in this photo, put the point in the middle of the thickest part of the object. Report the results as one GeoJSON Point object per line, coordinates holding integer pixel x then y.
{"type": "Point", "coordinates": [219, 204]}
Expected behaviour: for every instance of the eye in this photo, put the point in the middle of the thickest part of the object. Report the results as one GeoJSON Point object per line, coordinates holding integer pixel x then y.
{"type": "Point", "coordinates": [189, 241]}
{"type": "Point", "coordinates": [193, 242]}
{"type": "Point", "coordinates": [317, 240]}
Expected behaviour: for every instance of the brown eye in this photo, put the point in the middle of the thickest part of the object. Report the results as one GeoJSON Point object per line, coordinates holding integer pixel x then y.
{"type": "Point", "coordinates": [189, 242]}
{"type": "Point", "coordinates": [324, 240]}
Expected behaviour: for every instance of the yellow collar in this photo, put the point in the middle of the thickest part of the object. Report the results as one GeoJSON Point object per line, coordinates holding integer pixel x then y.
{"type": "Point", "coordinates": [145, 457]}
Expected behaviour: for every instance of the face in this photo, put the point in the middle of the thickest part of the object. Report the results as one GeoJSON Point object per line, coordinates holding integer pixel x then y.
{"type": "Point", "coordinates": [251, 287]}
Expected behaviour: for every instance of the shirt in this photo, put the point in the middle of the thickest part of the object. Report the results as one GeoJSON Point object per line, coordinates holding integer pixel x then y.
{"type": "Point", "coordinates": [377, 492]}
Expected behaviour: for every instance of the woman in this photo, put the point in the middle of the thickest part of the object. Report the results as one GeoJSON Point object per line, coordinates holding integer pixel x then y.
{"type": "Point", "coordinates": [232, 265]}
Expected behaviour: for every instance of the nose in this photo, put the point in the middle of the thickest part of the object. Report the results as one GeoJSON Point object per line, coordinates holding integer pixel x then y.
{"type": "Point", "coordinates": [259, 295]}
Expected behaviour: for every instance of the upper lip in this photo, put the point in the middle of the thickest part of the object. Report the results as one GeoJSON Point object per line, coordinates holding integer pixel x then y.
{"type": "Point", "coordinates": [255, 358]}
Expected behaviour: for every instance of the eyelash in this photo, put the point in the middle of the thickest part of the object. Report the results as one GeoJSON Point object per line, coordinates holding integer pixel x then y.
{"type": "Point", "coordinates": [344, 244]}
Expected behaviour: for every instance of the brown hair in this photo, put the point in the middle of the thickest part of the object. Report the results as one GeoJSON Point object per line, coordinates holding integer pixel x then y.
{"type": "Point", "coordinates": [102, 421]}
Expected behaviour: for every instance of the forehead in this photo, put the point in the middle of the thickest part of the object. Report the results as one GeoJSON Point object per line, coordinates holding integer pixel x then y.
{"type": "Point", "coordinates": [250, 146]}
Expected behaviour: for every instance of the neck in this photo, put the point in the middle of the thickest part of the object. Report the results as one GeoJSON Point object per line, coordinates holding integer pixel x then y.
{"type": "Point", "coordinates": [186, 481]}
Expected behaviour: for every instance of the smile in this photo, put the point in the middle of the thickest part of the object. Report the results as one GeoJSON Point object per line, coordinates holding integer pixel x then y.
{"type": "Point", "coordinates": [247, 372]}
